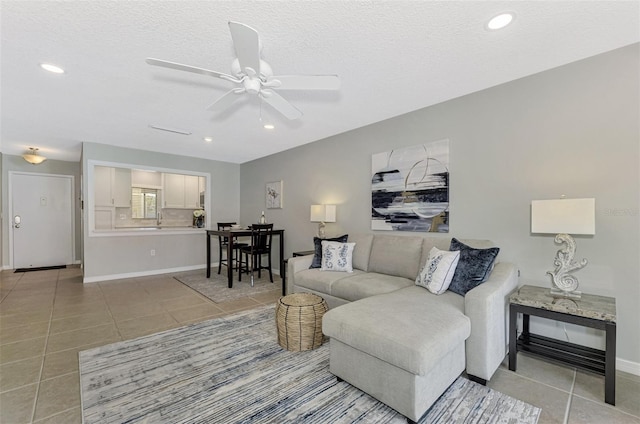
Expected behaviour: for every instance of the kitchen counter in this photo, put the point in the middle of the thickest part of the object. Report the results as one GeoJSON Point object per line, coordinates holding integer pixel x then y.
{"type": "Point", "coordinates": [147, 231]}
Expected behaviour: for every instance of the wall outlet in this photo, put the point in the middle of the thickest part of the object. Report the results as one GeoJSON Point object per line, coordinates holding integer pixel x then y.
{"type": "Point", "coordinates": [123, 216]}
{"type": "Point", "coordinates": [153, 252]}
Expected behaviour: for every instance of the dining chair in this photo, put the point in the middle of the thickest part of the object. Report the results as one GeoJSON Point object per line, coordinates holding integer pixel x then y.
{"type": "Point", "coordinates": [223, 243]}
{"type": "Point", "coordinates": [261, 236]}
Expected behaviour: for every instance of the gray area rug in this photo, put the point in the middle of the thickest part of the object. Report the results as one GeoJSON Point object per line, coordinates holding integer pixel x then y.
{"type": "Point", "coordinates": [217, 288]}
{"type": "Point", "coordinates": [231, 370]}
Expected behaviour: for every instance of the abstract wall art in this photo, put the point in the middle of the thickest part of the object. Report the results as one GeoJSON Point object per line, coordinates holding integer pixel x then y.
{"type": "Point", "coordinates": [410, 188]}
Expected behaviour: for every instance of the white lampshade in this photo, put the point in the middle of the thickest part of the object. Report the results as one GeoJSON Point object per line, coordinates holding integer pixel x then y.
{"type": "Point", "coordinates": [563, 216]}
{"type": "Point", "coordinates": [323, 213]}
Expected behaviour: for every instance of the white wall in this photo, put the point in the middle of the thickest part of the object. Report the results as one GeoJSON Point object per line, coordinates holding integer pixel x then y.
{"type": "Point", "coordinates": [17, 163]}
{"type": "Point", "coordinates": [109, 257]}
{"type": "Point", "coordinates": [572, 130]}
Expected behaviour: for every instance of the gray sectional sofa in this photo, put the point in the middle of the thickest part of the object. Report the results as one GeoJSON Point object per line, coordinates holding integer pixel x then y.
{"type": "Point", "coordinates": [397, 341]}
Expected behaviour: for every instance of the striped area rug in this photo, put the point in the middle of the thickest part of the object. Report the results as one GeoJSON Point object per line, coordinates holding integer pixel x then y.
{"type": "Point", "coordinates": [231, 370]}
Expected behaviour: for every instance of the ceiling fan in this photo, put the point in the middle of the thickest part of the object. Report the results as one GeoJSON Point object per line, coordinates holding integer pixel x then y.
{"type": "Point", "coordinates": [254, 76]}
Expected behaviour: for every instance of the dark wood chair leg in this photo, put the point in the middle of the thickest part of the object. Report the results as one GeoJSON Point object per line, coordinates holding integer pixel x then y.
{"type": "Point", "coordinates": [259, 261]}
{"type": "Point", "coordinates": [270, 273]}
{"type": "Point", "coordinates": [219, 258]}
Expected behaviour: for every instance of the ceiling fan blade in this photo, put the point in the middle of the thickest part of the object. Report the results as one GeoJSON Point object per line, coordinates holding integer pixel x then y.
{"type": "Point", "coordinates": [280, 104]}
{"type": "Point", "coordinates": [247, 45]}
{"type": "Point", "coordinates": [307, 82]}
{"type": "Point", "coordinates": [188, 68]}
{"type": "Point", "coordinates": [226, 100]}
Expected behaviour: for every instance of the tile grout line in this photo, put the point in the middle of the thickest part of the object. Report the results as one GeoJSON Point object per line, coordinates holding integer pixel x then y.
{"type": "Point", "coordinates": [44, 354]}
{"type": "Point", "coordinates": [568, 409]}
{"type": "Point", "coordinates": [113, 320]}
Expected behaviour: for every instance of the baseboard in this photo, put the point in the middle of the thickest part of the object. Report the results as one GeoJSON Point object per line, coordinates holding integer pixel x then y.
{"type": "Point", "coordinates": [628, 366]}
{"type": "Point", "coordinates": [141, 273]}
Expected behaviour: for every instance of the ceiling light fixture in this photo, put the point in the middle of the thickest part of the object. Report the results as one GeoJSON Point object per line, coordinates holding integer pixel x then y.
{"type": "Point", "coordinates": [269, 126]}
{"type": "Point", "coordinates": [33, 157]}
{"type": "Point", "coordinates": [52, 68]}
{"type": "Point", "coordinates": [500, 21]}
{"type": "Point", "coordinates": [208, 139]}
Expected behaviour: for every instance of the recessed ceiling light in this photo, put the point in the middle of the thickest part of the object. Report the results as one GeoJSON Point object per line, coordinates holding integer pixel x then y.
{"type": "Point", "coordinates": [208, 139]}
{"type": "Point", "coordinates": [52, 68]}
{"type": "Point", "coordinates": [500, 21]}
{"type": "Point", "coordinates": [269, 126]}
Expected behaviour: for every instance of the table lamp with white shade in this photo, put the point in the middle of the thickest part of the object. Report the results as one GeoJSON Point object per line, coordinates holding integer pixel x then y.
{"type": "Point", "coordinates": [564, 217]}
{"type": "Point", "coordinates": [322, 214]}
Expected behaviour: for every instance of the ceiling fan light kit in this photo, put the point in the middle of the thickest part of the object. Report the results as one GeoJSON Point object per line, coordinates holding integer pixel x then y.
{"type": "Point", "coordinates": [255, 76]}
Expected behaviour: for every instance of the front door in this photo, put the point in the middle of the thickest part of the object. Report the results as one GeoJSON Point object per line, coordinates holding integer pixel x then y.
{"type": "Point", "coordinates": [41, 219]}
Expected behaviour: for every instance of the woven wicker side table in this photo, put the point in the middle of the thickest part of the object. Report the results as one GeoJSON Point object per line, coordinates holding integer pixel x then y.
{"type": "Point", "coordinates": [299, 321]}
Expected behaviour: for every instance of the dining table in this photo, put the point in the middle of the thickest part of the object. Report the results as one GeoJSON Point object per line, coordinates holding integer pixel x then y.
{"type": "Point", "coordinates": [231, 235]}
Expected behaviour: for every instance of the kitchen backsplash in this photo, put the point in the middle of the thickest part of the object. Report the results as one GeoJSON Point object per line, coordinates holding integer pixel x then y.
{"type": "Point", "coordinates": [169, 218]}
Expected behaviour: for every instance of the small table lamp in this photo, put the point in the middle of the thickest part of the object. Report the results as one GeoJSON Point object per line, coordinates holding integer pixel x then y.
{"type": "Point", "coordinates": [322, 214]}
{"type": "Point", "coordinates": [564, 217]}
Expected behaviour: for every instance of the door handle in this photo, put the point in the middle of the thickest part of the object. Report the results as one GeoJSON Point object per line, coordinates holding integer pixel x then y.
{"type": "Point", "coordinates": [16, 221]}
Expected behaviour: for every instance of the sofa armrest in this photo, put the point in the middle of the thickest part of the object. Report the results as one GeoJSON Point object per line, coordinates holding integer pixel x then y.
{"type": "Point", "coordinates": [487, 307]}
{"type": "Point", "coordinates": [296, 264]}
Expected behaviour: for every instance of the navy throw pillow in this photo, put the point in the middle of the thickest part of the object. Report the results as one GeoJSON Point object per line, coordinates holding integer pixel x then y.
{"type": "Point", "coordinates": [317, 247]}
{"type": "Point", "coordinates": [473, 268]}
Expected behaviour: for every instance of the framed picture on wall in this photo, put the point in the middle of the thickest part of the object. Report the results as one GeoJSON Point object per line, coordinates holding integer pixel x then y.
{"type": "Point", "coordinates": [274, 195]}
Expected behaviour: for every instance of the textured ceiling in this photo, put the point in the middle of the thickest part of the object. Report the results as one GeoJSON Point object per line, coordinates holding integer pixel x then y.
{"type": "Point", "coordinates": [393, 57]}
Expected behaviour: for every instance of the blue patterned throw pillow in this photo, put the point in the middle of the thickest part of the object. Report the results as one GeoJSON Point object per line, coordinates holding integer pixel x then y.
{"type": "Point", "coordinates": [473, 268]}
{"type": "Point", "coordinates": [317, 248]}
{"type": "Point", "coordinates": [337, 256]}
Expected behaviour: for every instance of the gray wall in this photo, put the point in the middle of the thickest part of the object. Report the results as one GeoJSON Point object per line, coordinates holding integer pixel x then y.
{"type": "Point", "coordinates": [17, 163]}
{"type": "Point", "coordinates": [105, 257]}
{"type": "Point", "coordinates": [572, 130]}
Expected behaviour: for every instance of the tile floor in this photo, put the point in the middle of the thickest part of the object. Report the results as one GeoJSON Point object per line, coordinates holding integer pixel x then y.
{"type": "Point", "coordinates": [46, 317]}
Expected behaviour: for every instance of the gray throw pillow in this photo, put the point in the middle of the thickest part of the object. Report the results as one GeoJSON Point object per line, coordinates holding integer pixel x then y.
{"type": "Point", "coordinates": [473, 268]}
{"type": "Point", "coordinates": [317, 248]}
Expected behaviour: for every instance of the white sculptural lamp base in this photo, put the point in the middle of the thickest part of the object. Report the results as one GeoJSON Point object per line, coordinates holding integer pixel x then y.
{"type": "Point", "coordinates": [565, 284]}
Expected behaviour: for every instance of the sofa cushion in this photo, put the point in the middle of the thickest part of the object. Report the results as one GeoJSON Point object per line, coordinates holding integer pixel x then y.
{"type": "Point", "coordinates": [321, 281]}
{"type": "Point", "coordinates": [473, 268]}
{"type": "Point", "coordinates": [362, 251]}
{"type": "Point", "coordinates": [317, 249]}
{"type": "Point", "coordinates": [367, 284]}
{"type": "Point", "coordinates": [396, 255]}
{"type": "Point", "coordinates": [429, 243]}
{"type": "Point", "coordinates": [409, 328]}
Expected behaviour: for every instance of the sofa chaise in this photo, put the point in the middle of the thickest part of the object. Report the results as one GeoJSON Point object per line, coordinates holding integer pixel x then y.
{"type": "Point", "coordinates": [399, 342]}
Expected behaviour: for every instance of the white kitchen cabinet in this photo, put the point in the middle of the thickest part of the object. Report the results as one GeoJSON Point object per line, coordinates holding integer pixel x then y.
{"type": "Point", "coordinates": [112, 186]}
{"type": "Point", "coordinates": [181, 191]}
{"type": "Point", "coordinates": [102, 186]}
{"type": "Point", "coordinates": [121, 187]}
{"type": "Point", "coordinates": [191, 192]}
{"type": "Point", "coordinates": [173, 191]}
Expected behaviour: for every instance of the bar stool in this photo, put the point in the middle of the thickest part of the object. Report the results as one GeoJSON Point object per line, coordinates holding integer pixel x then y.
{"type": "Point", "coordinates": [223, 243]}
